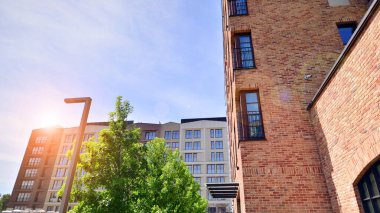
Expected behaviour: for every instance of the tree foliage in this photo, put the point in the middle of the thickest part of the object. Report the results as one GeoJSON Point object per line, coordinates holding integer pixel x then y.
{"type": "Point", "coordinates": [4, 199]}
{"type": "Point", "coordinates": [123, 175]}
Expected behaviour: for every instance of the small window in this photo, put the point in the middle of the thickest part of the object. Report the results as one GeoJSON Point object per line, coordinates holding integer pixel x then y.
{"type": "Point", "coordinates": [243, 57]}
{"type": "Point", "coordinates": [168, 135]}
{"type": "Point", "coordinates": [197, 133]}
{"type": "Point", "coordinates": [175, 145]}
{"type": "Point", "coordinates": [175, 134]}
{"type": "Point", "coordinates": [346, 30]}
{"type": "Point", "coordinates": [251, 124]}
{"type": "Point", "coordinates": [218, 144]}
{"type": "Point", "coordinates": [188, 134]}
{"type": "Point", "coordinates": [41, 139]}
{"type": "Point", "coordinates": [150, 135]}
{"type": "Point", "coordinates": [237, 7]}
{"type": "Point", "coordinates": [188, 145]}
{"type": "Point", "coordinates": [197, 145]}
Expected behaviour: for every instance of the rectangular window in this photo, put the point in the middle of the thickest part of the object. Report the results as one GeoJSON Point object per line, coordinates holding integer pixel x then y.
{"type": "Point", "coordinates": [218, 133]}
{"type": "Point", "coordinates": [41, 139]}
{"type": "Point", "coordinates": [219, 156]}
{"type": "Point", "coordinates": [63, 161]}
{"type": "Point", "coordinates": [188, 134]}
{"type": "Point", "coordinates": [212, 133]}
{"type": "Point", "coordinates": [346, 30]}
{"type": "Point", "coordinates": [168, 135]}
{"type": "Point", "coordinates": [61, 172]}
{"type": "Point", "coordinates": [30, 172]}
{"type": "Point", "coordinates": [197, 169]}
{"type": "Point", "coordinates": [57, 184]}
{"type": "Point", "coordinates": [53, 197]}
{"type": "Point", "coordinates": [215, 180]}
{"type": "Point", "coordinates": [210, 169]}
{"type": "Point", "coordinates": [197, 133]}
{"type": "Point", "coordinates": [190, 157]}
{"type": "Point", "coordinates": [27, 184]}
{"type": "Point", "coordinates": [197, 179]}
{"type": "Point", "coordinates": [150, 135]}
{"type": "Point", "coordinates": [212, 156]}
{"type": "Point", "coordinates": [197, 145]}
{"type": "Point", "coordinates": [212, 145]}
{"type": "Point", "coordinates": [243, 57]}
{"type": "Point", "coordinates": [175, 145]}
{"type": "Point", "coordinates": [65, 149]}
{"type": "Point", "coordinates": [88, 136]}
{"type": "Point", "coordinates": [175, 134]}
{"type": "Point", "coordinates": [188, 145]}
{"type": "Point", "coordinates": [37, 150]}
{"type": "Point", "coordinates": [219, 168]}
{"type": "Point", "coordinates": [237, 7]}
{"type": "Point", "coordinates": [34, 161]}
{"type": "Point", "coordinates": [251, 124]}
{"type": "Point", "coordinates": [23, 197]}
{"type": "Point", "coordinates": [218, 144]}
{"type": "Point", "coordinates": [168, 144]}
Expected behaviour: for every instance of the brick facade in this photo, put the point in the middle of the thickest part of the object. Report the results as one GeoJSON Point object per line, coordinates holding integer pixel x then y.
{"type": "Point", "coordinates": [283, 172]}
{"type": "Point", "coordinates": [346, 117]}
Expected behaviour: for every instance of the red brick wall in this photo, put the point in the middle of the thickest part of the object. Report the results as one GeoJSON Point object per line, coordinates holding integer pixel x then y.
{"type": "Point", "coordinates": [290, 38]}
{"type": "Point", "coordinates": [347, 120]}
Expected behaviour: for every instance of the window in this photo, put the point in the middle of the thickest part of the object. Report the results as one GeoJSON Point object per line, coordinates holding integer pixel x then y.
{"type": "Point", "coordinates": [37, 150]}
{"type": "Point", "coordinates": [41, 139]}
{"type": "Point", "coordinates": [69, 138]}
{"type": "Point", "coordinates": [88, 136]}
{"type": "Point", "coordinates": [197, 133]}
{"type": "Point", "coordinates": [188, 134]}
{"type": "Point", "coordinates": [168, 135]}
{"type": "Point", "coordinates": [197, 145]}
{"type": "Point", "coordinates": [212, 145]}
{"type": "Point", "coordinates": [61, 172]}
{"type": "Point", "coordinates": [219, 168]}
{"type": "Point", "coordinates": [30, 172]}
{"type": "Point", "coordinates": [194, 169]}
{"type": "Point", "coordinates": [168, 144]}
{"type": "Point", "coordinates": [197, 179]}
{"type": "Point", "coordinates": [243, 52]}
{"type": "Point", "coordinates": [20, 207]}
{"type": "Point", "coordinates": [175, 145]}
{"type": "Point", "coordinates": [369, 188]}
{"type": "Point", "coordinates": [216, 156]}
{"type": "Point", "coordinates": [175, 134]}
{"type": "Point", "coordinates": [346, 30]}
{"type": "Point", "coordinates": [34, 161]}
{"type": "Point", "coordinates": [27, 184]}
{"type": "Point", "coordinates": [63, 161]}
{"type": "Point", "coordinates": [215, 180]}
{"type": "Point", "coordinates": [216, 133]}
{"type": "Point", "coordinates": [190, 157]}
{"type": "Point", "coordinates": [65, 149]}
{"type": "Point", "coordinates": [210, 169]}
{"type": "Point", "coordinates": [188, 145]}
{"type": "Point", "coordinates": [57, 184]}
{"type": "Point", "coordinates": [237, 7]}
{"type": "Point", "coordinates": [53, 197]}
{"type": "Point", "coordinates": [251, 124]}
{"type": "Point", "coordinates": [150, 135]}
{"type": "Point", "coordinates": [211, 209]}
{"type": "Point", "coordinates": [218, 144]}
{"type": "Point", "coordinates": [23, 197]}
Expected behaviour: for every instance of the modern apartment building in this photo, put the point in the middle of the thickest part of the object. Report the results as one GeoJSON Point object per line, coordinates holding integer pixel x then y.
{"type": "Point", "coordinates": [302, 93]}
{"type": "Point", "coordinates": [204, 148]}
{"type": "Point", "coordinates": [45, 164]}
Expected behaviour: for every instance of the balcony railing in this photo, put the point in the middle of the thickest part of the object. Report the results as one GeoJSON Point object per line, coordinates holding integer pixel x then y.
{"type": "Point", "coordinates": [237, 7]}
{"type": "Point", "coordinates": [250, 126]}
{"type": "Point", "coordinates": [243, 58]}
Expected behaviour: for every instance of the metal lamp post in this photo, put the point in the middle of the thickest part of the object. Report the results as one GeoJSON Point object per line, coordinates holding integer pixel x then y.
{"type": "Point", "coordinates": [76, 153]}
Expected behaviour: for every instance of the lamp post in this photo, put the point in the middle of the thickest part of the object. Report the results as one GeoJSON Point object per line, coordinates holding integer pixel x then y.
{"type": "Point", "coordinates": [76, 153]}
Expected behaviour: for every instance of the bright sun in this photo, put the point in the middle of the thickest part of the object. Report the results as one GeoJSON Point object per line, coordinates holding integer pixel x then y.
{"type": "Point", "coordinates": [49, 120]}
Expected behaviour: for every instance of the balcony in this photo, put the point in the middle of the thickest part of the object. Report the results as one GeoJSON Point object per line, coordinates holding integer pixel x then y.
{"type": "Point", "coordinates": [250, 126]}
{"type": "Point", "coordinates": [243, 58]}
{"type": "Point", "coordinates": [237, 7]}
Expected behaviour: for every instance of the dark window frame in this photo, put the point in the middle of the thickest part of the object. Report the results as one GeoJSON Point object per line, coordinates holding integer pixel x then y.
{"type": "Point", "coordinates": [365, 185]}
{"type": "Point", "coordinates": [244, 123]}
{"type": "Point", "coordinates": [233, 8]}
{"type": "Point", "coordinates": [239, 53]}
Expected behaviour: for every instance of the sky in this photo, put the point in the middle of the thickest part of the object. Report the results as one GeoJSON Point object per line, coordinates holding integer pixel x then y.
{"type": "Point", "coordinates": [164, 56]}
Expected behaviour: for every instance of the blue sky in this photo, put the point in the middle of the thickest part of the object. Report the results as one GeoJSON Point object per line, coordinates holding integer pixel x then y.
{"type": "Point", "coordinates": [164, 56]}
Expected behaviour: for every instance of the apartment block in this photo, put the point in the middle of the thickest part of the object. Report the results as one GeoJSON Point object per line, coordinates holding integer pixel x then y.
{"type": "Point", "coordinates": [294, 143]}
{"type": "Point", "coordinates": [44, 170]}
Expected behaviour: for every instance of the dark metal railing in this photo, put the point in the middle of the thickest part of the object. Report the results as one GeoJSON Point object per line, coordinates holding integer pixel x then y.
{"type": "Point", "coordinates": [243, 58]}
{"type": "Point", "coordinates": [237, 7]}
{"type": "Point", "coordinates": [250, 126]}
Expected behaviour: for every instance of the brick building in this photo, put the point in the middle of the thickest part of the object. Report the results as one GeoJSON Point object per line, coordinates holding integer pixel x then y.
{"type": "Point", "coordinates": [297, 146]}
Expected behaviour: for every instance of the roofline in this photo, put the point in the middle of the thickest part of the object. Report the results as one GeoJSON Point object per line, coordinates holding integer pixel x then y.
{"type": "Point", "coordinates": [358, 32]}
{"type": "Point", "coordinates": [188, 120]}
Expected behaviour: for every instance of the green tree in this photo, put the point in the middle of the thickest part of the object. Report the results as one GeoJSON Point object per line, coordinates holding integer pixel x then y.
{"type": "Point", "coordinates": [4, 201]}
{"type": "Point", "coordinates": [122, 175]}
{"type": "Point", "coordinates": [169, 186]}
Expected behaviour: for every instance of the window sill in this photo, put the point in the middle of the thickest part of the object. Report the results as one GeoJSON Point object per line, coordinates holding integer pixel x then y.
{"type": "Point", "coordinates": [246, 68]}
{"type": "Point", "coordinates": [237, 15]}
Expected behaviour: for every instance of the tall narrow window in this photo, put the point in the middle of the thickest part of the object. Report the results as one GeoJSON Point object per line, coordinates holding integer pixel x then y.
{"type": "Point", "coordinates": [369, 187]}
{"type": "Point", "coordinates": [243, 52]}
{"type": "Point", "coordinates": [168, 135]}
{"type": "Point", "coordinates": [346, 30]}
{"type": "Point", "coordinates": [189, 134]}
{"type": "Point", "coordinates": [251, 125]}
{"type": "Point", "coordinates": [175, 134]}
{"type": "Point", "coordinates": [237, 7]}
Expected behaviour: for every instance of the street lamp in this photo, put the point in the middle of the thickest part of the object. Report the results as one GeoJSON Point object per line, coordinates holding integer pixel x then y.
{"type": "Point", "coordinates": [76, 153]}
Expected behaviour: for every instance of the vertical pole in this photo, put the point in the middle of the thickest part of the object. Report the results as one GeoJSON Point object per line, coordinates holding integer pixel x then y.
{"type": "Point", "coordinates": [75, 156]}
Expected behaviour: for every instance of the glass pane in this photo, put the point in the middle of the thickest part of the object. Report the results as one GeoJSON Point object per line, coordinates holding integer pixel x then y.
{"type": "Point", "coordinates": [253, 107]}
{"type": "Point", "coordinates": [366, 192]}
{"type": "Point", "coordinates": [245, 41]}
{"type": "Point", "coordinates": [369, 207]}
{"type": "Point", "coordinates": [346, 33]}
{"type": "Point", "coordinates": [375, 188]}
{"type": "Point", "coordinates": [377, 201]}
{"type": "Point", "coordinates": [251, 97]}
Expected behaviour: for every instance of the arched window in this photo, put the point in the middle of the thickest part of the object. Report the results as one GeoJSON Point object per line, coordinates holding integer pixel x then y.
{"type": "Point", "coordinates": [369, 187]}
